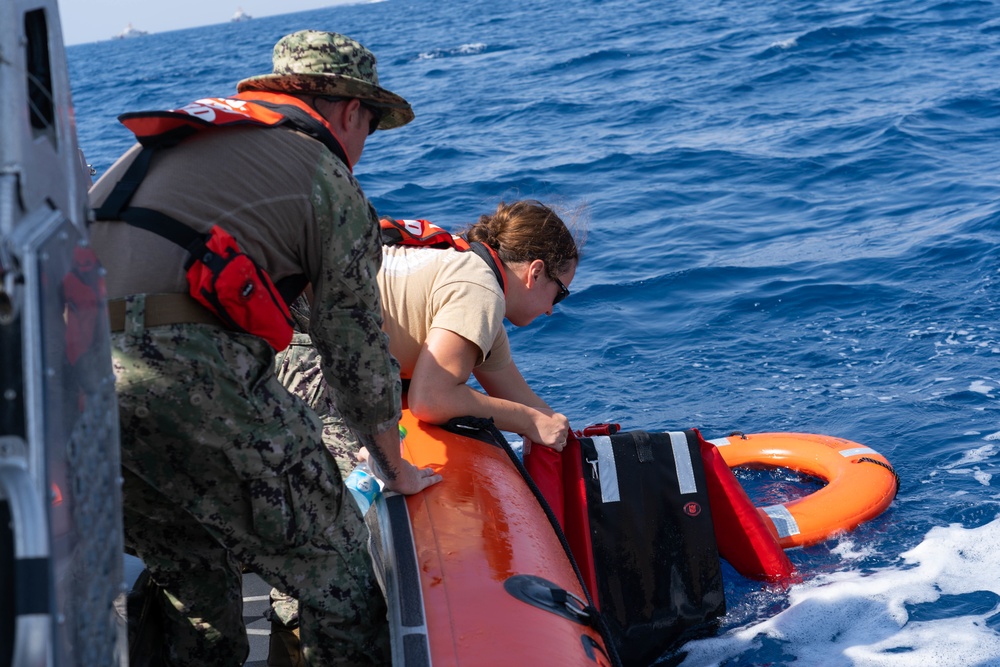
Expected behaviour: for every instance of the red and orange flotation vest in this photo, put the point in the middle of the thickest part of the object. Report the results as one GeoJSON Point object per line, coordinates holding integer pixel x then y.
{"type": "Point", "coordinates": [220, 276]}
{"type": "Point", "coordinates": [251, 108]}
{"type": "Point", "coordinates": [426, 234]}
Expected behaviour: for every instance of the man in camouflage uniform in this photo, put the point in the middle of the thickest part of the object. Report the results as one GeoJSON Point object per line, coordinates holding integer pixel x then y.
{"type": "Point", "coordinates": [222, 465]}
{"type": "Point", "coordinates": [297, 368]}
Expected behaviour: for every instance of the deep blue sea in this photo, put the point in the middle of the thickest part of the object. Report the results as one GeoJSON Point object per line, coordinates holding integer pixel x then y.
{"type": "Point", "coordinates": [792, 217]}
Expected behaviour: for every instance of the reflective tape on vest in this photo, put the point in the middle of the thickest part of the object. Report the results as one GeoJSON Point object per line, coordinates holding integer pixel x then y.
{"type": "Point", "coordinates": [607, 469]}
{"type": "Point", "coordinates": [682, 463]}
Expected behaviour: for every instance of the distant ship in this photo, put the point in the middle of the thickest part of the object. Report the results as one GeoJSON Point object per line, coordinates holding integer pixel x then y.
{"type": "Point", "coordinates": [129, 31]}
{"type": "Point", "coordinates": [240, 15]}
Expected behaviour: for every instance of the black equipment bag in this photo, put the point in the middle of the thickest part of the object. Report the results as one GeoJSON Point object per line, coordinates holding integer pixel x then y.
{"type": "Point", "coordinates": [659, 579]}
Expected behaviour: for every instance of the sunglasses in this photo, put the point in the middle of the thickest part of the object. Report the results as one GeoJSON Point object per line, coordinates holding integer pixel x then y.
{"type": "Point", "coordinates": [376, 113]}
{"type": "Point", "coordinates": [562, 293]}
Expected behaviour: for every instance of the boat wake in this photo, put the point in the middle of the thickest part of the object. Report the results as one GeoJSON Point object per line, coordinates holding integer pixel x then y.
{"type": "Point", "coordinates": [940, 606]}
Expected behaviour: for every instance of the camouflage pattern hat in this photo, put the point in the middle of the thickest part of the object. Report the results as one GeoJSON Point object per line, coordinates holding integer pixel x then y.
{"type": "Point", "coordinates": [310, 62]}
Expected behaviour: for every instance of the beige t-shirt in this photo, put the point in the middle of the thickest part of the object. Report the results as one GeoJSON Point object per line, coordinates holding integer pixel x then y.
{"type": "Point", "coordinates": [430, 288]}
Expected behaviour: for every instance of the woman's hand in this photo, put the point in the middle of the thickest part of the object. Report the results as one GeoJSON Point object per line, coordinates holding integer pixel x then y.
{"type": "Point", "coordinates": [550, 430]}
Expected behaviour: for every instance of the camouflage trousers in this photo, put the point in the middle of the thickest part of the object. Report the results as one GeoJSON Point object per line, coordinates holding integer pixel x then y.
{"type": "Point", "coordinates": [223, 466]}
{"type": "Point", "coordinates": [298, 369]}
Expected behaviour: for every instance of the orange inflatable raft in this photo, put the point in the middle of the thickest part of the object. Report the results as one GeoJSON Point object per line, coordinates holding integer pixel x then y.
{"type": "Point", "coordinates": [860, 482]}
{"type": "Point", "coordinates": [473, 571]}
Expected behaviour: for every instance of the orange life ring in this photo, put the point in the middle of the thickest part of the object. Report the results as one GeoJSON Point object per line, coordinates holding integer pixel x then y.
{"type": "Point", "coordinates": [860, 482]}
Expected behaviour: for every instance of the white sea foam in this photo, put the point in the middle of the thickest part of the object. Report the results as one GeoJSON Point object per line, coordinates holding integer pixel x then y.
{"type": "Point", "coordinates": [851, 618]}
{"type": "Point", "coordinates": [848, 549]}
{"type": "Point", "coordinates": [461, 50]}
{"type": "Point", "coordinates": [973, 456]}
{"type": "Point", "coordinates": [981, 387]}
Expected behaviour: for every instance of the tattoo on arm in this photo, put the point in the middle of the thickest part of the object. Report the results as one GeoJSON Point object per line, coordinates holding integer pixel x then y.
{"type": "Point", "coordinates": [368, 441]}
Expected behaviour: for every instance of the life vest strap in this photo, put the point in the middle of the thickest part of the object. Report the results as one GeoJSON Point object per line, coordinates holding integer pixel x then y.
{"type": "Point", "coordinates": [289, 287]}
{"type": "Point", "coordinates": [308, 125]}
{"type": "Point", "coordinates": [125, 188]}
{"type": "Point", "coordinates": [490, 258]}
{"type": "Point", "coordinates": [116, 207]}
{"type": "Point", "coordinates": [167, 227]}
{"type": "Point", "coordinates": [425, 234]}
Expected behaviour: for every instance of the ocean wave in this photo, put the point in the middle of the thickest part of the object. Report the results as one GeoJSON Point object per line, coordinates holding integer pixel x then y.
{"type": "Point", "coordinates": [462, 50]}
{"type": "Point", "coordinates": [937, 608]}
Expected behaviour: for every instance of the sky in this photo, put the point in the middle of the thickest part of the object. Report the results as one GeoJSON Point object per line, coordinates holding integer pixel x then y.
{"type": "Point", "coordinates": [95, 20]}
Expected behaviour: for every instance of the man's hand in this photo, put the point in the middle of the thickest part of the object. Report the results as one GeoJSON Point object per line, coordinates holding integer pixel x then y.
{"type": "Point", "coordinates": [409, 478]}
{"type": "Point", "coordinates": [412, 479]}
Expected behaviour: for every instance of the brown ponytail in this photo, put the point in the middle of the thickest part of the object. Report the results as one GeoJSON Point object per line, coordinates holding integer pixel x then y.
{"type": "Point", "coordinates": [525, 231]}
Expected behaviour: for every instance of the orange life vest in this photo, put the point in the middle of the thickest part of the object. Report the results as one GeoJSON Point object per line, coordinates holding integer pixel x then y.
{"type": "Point", "coordinates": [220, 276]}
{"type": "Point", "coordinates": [253, 108]}
{"type": "Point", "coordinates": [427, 234]}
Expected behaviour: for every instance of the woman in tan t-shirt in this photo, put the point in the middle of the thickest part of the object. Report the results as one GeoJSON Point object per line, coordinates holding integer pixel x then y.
{"type": "Point", "coordinates": [444, 313]}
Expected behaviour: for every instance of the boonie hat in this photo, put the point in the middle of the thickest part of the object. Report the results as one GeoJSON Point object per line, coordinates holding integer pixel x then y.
{"type": "Point", "coordinates": [311, 62]}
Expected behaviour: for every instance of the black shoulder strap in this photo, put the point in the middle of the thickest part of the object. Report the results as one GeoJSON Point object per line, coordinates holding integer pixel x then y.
{"type": "Point", "coordinates": [291, 287]}
{"type": "Point", "coordinates": [643, 446]}
{"type": "Point", "coordinates": [116, 207]}
{"type": "Point", "coordinates": [306, 124]}
{"type": "Point", "coordinates": [480, 249]}
{"type": "Point", "coordinates": [125, 188]}
{"type": "Point", "coordinates": [167, 227]}
{"type": "Point", "coordinates": [390, 235]}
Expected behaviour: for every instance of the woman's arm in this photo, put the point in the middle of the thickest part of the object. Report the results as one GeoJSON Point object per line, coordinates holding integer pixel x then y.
{"type": "Point", "coordinates": [508, 383]}
{"type": "Point", "coordinates": [438, 392]}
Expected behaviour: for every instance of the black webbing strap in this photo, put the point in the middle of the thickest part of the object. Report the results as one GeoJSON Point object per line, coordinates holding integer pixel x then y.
{"type": "Point", "coordinates": [643, 446]}
{"type": "Point", "coordinates": [481, 250]}
{"type": "Point", "coordinates": [289, 287]}
{"type": "Point", "coordinates": [116, 207]}
{"type": "Point", "coordinates": [169, 228]}
{"type": "Point", "coordinates": [125, 188]}
{"type": "Point", "coordinates": [165, 139]}
{"type": "Point", "coordinates": [308, 125]}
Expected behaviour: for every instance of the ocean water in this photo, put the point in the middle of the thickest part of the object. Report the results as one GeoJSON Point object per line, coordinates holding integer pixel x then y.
{"type": "Point", "coordinates": [791, 214]}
